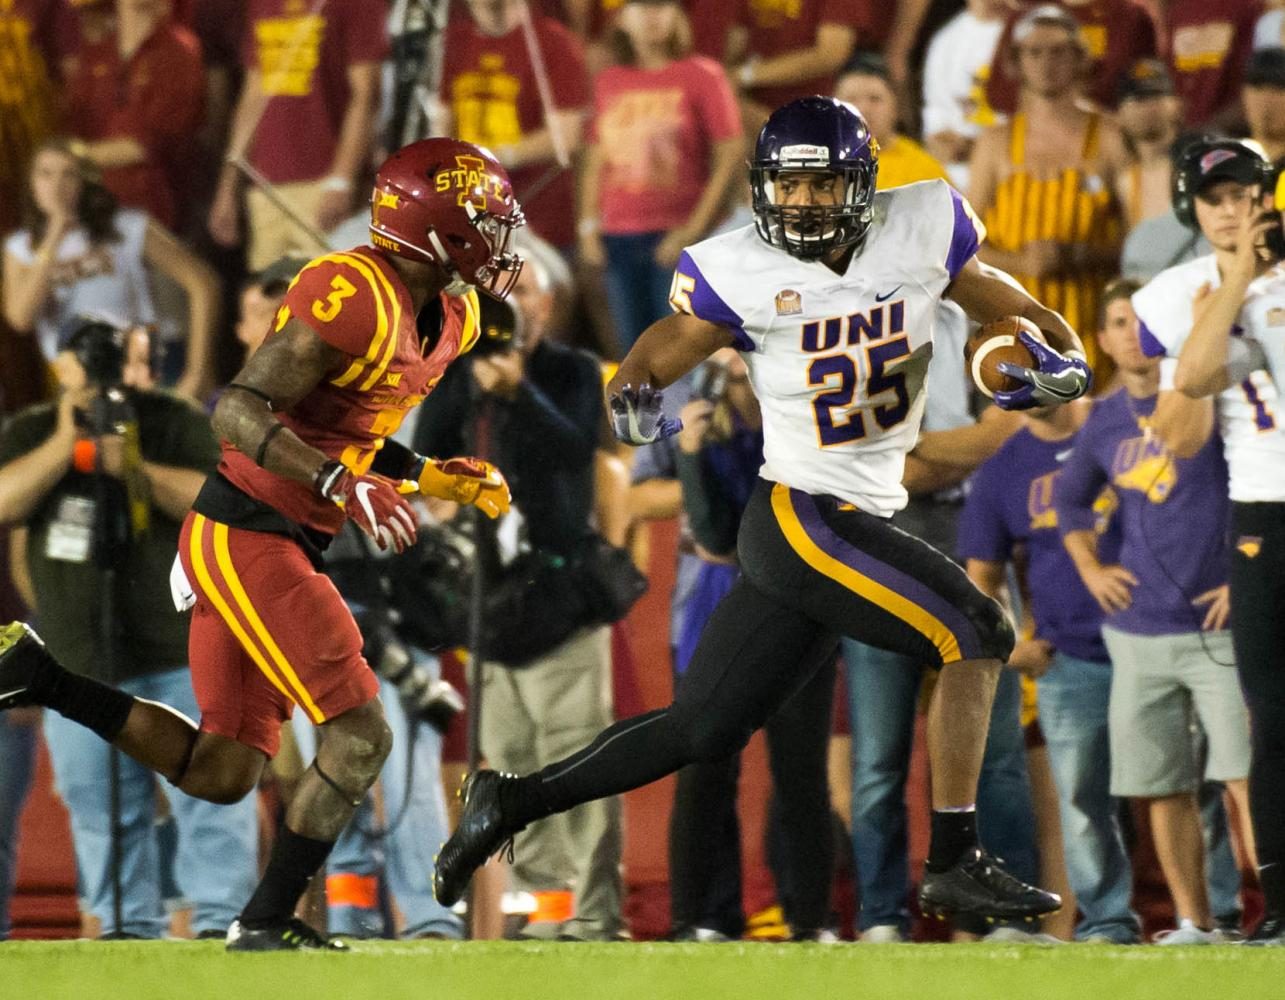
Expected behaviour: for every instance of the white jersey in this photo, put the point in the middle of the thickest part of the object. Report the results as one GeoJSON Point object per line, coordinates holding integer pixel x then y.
{"type": "Point", "coordinates": [1249, 410]}
{"type": "Point", "coordinates": [838, 362]}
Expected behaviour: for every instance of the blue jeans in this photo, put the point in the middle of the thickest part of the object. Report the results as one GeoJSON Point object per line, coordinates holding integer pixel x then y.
{"type": "Point", "coordinates": [418, 827]}
{"type": "Point", "coordinates": [1073, 699]}
{"type": "Point", "coordinates": [637, 287]}
{"type": "Point", "coordinates": [218, 854]}
{"type": "Point", "coordinates": [883, 690]}
{"type": "Point", "coordinates": [17, 763]}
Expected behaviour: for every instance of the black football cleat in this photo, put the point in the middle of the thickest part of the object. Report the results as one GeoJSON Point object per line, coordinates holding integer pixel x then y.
{"type": "Point", "coordinates": [1270, 932]}
{"type": "Point", "coordinates": [288, 935]}
{"type": "Point", "coordinates": [481, 833]}
{"type": "Point", "coordinates": [977, 885]}
{"type": "Point", "coordinates": [22, 657]}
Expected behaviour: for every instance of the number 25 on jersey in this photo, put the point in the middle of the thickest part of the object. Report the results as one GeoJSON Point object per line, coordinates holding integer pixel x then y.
{"type": "Point", "coordinates": [852, 381]}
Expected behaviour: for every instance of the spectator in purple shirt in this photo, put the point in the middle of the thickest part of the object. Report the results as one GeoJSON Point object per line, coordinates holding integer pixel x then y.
{"type": "Point", "coordinates": [1166, 606]}
{"type": "Point", "coordinates": [1010, 514]}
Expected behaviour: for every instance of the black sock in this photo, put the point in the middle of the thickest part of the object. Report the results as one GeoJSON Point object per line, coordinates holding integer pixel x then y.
{"type": "Point", "coordinates": [953, 834]}
{"type": "Point", "coordinates": [295, 859]}
{"type": "Point", "coordinates": [522, 800]}
{"type": "Point", "coordinates": [95, 705]}
{"type": "Point", "coordinates": [1272, 878]}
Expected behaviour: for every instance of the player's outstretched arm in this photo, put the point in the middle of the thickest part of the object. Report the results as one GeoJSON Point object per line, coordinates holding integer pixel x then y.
{"type": "Point", "coordinates": [986, 293]}
{"type": "Point", "coordinates": [668, 350]}
{"type": "Point", "coordinates": [279, 374]}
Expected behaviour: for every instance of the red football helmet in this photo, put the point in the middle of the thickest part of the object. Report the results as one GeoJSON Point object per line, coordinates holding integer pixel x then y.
{"type": "Point", "coordinates": [448, 202]}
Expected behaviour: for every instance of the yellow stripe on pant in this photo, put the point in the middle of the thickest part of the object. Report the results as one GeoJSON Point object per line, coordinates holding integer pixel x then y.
{"type": "Point", "coordinates": [922, 621]}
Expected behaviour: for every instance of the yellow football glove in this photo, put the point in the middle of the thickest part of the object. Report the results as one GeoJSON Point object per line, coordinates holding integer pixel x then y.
{"type": "Point", "coordinates": [465, 481]}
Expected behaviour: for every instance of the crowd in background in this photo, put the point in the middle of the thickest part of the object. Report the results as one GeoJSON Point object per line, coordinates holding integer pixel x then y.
{"type": "Point", "coordinates": [170, 163]}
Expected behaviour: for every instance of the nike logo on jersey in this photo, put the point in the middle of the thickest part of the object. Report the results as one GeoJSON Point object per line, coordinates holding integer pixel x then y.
{"type": "Point", "coordinates": [885, 298]}
{"type": "Point", "coordinates": [1062, 456]}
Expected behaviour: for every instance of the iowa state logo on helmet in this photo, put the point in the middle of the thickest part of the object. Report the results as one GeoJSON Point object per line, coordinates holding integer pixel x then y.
{"type": "Point", "coordinates": [474, 183]}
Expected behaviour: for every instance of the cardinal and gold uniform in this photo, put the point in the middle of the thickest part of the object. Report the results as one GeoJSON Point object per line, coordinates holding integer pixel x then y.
{"type": "Point", "coordinates": [268, 630]}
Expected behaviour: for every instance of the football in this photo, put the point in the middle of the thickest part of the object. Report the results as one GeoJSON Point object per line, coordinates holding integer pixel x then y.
{"type": "Point", "coordinates": [994, 342]}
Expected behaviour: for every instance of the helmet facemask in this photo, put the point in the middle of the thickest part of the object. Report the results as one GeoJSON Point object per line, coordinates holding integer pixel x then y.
{"type": "Point", "coordinates": [810, 232]}
{"type": "Point", "coordinates": [498, 274]}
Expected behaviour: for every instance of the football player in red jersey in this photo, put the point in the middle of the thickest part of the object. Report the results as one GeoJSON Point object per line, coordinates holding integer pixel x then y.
{"type": "Point", "coordinates": [361, 337]}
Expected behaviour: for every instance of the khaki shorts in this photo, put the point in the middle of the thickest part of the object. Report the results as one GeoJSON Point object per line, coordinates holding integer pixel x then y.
{"type": "Point", "coordinates": [1167, 691]}
{"type": "Point", "coordinates": [273, 233]}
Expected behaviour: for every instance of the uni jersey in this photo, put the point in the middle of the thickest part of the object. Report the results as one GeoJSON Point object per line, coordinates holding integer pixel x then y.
{"type": "Point", "coordinates": [838, 362]}
{"type": "Point", "coordinates": [1249, 409]}
{"type": "Point", "coordinates": [355, 302]}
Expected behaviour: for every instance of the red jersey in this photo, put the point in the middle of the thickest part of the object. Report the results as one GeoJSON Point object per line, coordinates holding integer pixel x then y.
{"type": "Point", "coordinates": [303, 53]}
{"type": "Point", "coordinates": [1115, 34]}
{"type": "Point", "coordinates": [779, 26]}
{"type": "Point", "coordinates": [157, 98]}
{"type": "Point", "coordinates": [1210, 42]}
{"type": "Point", "coordinates": [489, 83]}
{"type": "Point", "coordinates": [355, 302]}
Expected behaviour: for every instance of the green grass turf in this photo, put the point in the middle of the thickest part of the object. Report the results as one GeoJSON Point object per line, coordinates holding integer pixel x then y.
{"type": "Point", "coordinates": [504, 971]}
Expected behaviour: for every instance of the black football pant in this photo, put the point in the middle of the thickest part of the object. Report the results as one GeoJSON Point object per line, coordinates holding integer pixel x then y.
{"type": "Point", "coordinates": [1258, 631]}
{"type": "Point", "coordinates": [813, 568]}
{"type": "Point", "coordinates": [705, 833]}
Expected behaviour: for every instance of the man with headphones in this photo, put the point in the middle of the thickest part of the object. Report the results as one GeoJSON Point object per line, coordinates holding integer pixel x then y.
{"type": "Point", "coordinates": [1210, 319]}
{"type": "Point", "coordinates": [58, 463]}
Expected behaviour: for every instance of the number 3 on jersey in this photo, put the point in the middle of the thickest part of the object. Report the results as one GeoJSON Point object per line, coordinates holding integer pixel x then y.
{"type": "Point", "coordinates": [327, 309]}
{"type": "Point", "coordinates": [862, 378]}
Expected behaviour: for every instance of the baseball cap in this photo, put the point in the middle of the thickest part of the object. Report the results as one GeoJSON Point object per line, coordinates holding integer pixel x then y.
{"type": "Point", "coordinates": [1047, 14]}
{"type": "Point", "coordinates": [1266, 68]}
{"type": "Point", "coordinates": [1229, 160]}
{"type": "Point", "coordinates": [1145, 78]}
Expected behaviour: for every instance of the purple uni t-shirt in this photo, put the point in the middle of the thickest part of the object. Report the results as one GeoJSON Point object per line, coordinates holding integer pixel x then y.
{"type": "Point", "coordinates": [1010, 506]}
{"type": "Point", "coordinates": [1173, 512]}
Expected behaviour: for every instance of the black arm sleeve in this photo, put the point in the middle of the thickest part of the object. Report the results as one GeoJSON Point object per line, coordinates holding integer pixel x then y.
{"type": "Point", "coordinates": [396, 461]}
{"type": "Point", "coordinates": [712, 520]}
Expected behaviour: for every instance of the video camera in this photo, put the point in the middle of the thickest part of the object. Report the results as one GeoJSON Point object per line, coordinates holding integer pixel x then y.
{"type": "Point", "coordinates": [99, 346]}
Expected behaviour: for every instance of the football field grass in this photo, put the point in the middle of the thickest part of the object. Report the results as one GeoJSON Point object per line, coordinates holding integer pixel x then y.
{"type": "Point", "coordinates": [515, 971]}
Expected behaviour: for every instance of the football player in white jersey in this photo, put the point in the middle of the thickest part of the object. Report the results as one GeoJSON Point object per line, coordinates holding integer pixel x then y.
{"type": "Point", "coordinates": [1220, 322]}
{"type": "Point", "coordinates": [830, 296]}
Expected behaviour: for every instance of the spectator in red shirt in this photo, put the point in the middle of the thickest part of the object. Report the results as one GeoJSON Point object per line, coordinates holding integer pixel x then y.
{"type": "Point", "coordinates": [305, 120]}
{"type": "Point", "coordinates": [137, 99]}
{"type": "Point", "coordinates": [783, 49]}
{"type": "Point", "coordinates": [1209, 44]}
{"type": "Point", "coordinates": [1115, 34]}
{"type": "Point", "coordinates": [665, 145]}
{"type": "Point", "coordinates": [491, 88]}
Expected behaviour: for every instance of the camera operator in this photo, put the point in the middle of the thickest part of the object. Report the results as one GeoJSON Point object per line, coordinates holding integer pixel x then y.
{"type": "Point", "coordinates": [1217, 321]}
{"type": "Point", "coordinates": [103, 477]}
{"type": "Point", "coordinates": [720, 451]}
{"type": "Point", "coordinates": [535, 408]}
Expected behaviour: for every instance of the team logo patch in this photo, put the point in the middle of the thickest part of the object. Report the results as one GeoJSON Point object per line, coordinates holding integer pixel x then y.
{"type": "Point", "coordinates": [1276, 317]}
{"type": "Point", "coordinates": [790, 154]}
{"type": "Point", "coordinates": [1249, 546]}
{"type": "Point", "coordinates": [789, 302]}
{"type": "Point", "coordinates": [387, 199]}
{"type": "Point", "coordinates": [1212, 159]}
{"type": "Point", "coordinates": [471, 181]}
{"type": "Point", "coordinates": [393, 379]}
